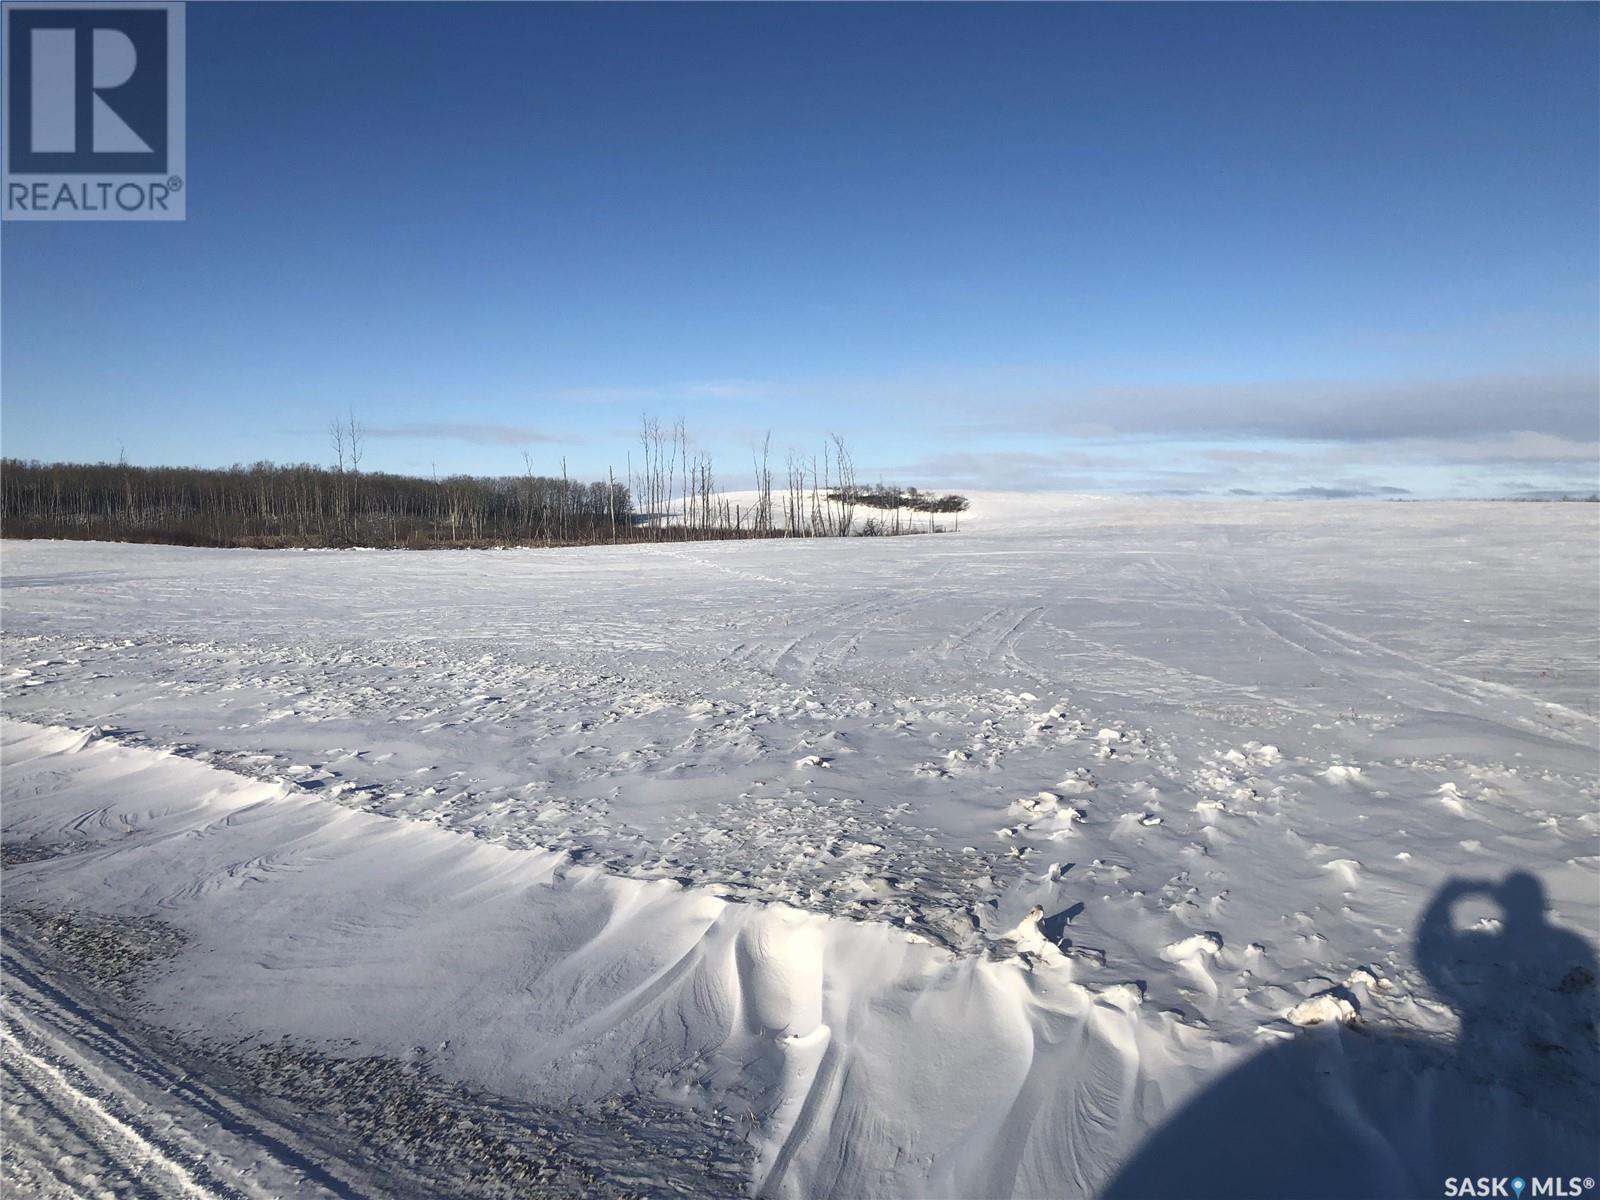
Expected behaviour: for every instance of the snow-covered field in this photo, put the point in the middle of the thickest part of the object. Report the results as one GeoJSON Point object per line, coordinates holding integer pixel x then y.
{"type": "Point", "coordinates": [1088, 850]}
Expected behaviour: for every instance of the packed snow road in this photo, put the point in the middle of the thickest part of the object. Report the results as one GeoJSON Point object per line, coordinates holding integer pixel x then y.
{"type": "Point", "coordinates": [934, 865]}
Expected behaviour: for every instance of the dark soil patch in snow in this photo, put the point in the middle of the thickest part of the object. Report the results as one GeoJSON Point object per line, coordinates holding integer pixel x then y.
{"type": "Point", "coordinates": [13, 854]}
{"type": "Point", "coordinates": [108, 952]}
{"type": "Point", "coordinates": [425, 1136]}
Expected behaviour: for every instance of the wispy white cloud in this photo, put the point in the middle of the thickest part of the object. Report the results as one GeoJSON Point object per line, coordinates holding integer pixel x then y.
{"type": "Point", "coordinates": [1522, 446]}
{"type": "Point", "coordinates": [671, 393]}
{"type": "Point", "coordinates": [1048, 400]}
{"type": "Point", "coordinates": [1557, 406]}
{"type": "Point", "coordinates": [473, 433]}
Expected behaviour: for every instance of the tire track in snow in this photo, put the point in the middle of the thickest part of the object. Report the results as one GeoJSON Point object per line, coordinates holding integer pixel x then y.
{"type": "Point", "coordinates": [142, 1107]}
{"type": "Point", "coordinates": [66, 1105]}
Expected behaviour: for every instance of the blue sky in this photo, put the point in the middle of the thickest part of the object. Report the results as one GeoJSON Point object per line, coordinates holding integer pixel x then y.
{"type": "Point", "coordinates": [1225, 249]}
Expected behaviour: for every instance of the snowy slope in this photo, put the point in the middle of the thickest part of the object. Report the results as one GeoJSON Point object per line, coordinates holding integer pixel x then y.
{"type": "Point", "coordinates": [935, 865]}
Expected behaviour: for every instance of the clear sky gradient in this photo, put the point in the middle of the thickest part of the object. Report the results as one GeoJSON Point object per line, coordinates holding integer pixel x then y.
{"type": "Point", "coordinates": [1243, 248]}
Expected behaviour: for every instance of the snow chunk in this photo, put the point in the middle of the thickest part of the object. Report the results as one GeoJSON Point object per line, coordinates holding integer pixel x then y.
{"type": "Point", "coordinates": [1079, 783]}
{"type": "Point", "coordinates": [1066, 818]}
{"type": "Point", "coordinates": [1039, 804]}
{"type": "Point", "coordinates": [1324, 1009]}
{"type": "Point", "coordinates": [1126, 996]}
{"type": "Point", "coordinates": [1348, 870]}
{"type": "Point", "coordinates": [858, 849]}
{"type": "Point", "coordinates": [1029, 936]}
{"type": "Point", "coordinates": [1266, 755]}
{"type": "Point", "coordinates": [1207, 944]}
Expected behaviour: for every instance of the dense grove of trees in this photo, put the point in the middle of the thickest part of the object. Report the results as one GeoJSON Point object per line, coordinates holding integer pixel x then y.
{"type": "Point", "coordinates": [674, 496]}
{"type": "Point", "coordinates": [893, 501]}
{"type": "Point", "coordinates": [303, 505]}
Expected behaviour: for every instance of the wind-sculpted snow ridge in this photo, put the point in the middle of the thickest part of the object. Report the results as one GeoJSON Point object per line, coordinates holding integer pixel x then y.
{"type": "Point", "coordinates": [823, 1041]}
{"type": "Point", "coordinates": [937, 866]}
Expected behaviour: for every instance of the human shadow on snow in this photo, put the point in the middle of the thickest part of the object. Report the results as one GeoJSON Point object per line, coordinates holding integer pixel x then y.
{"type": "Point", "coordinates": [1345, 1112]}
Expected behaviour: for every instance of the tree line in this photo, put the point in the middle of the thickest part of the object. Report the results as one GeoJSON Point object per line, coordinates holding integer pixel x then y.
{"type": "Point", "coordinates": [671, 494]}
{"type": "Point", "coordinates": [267, 504]}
